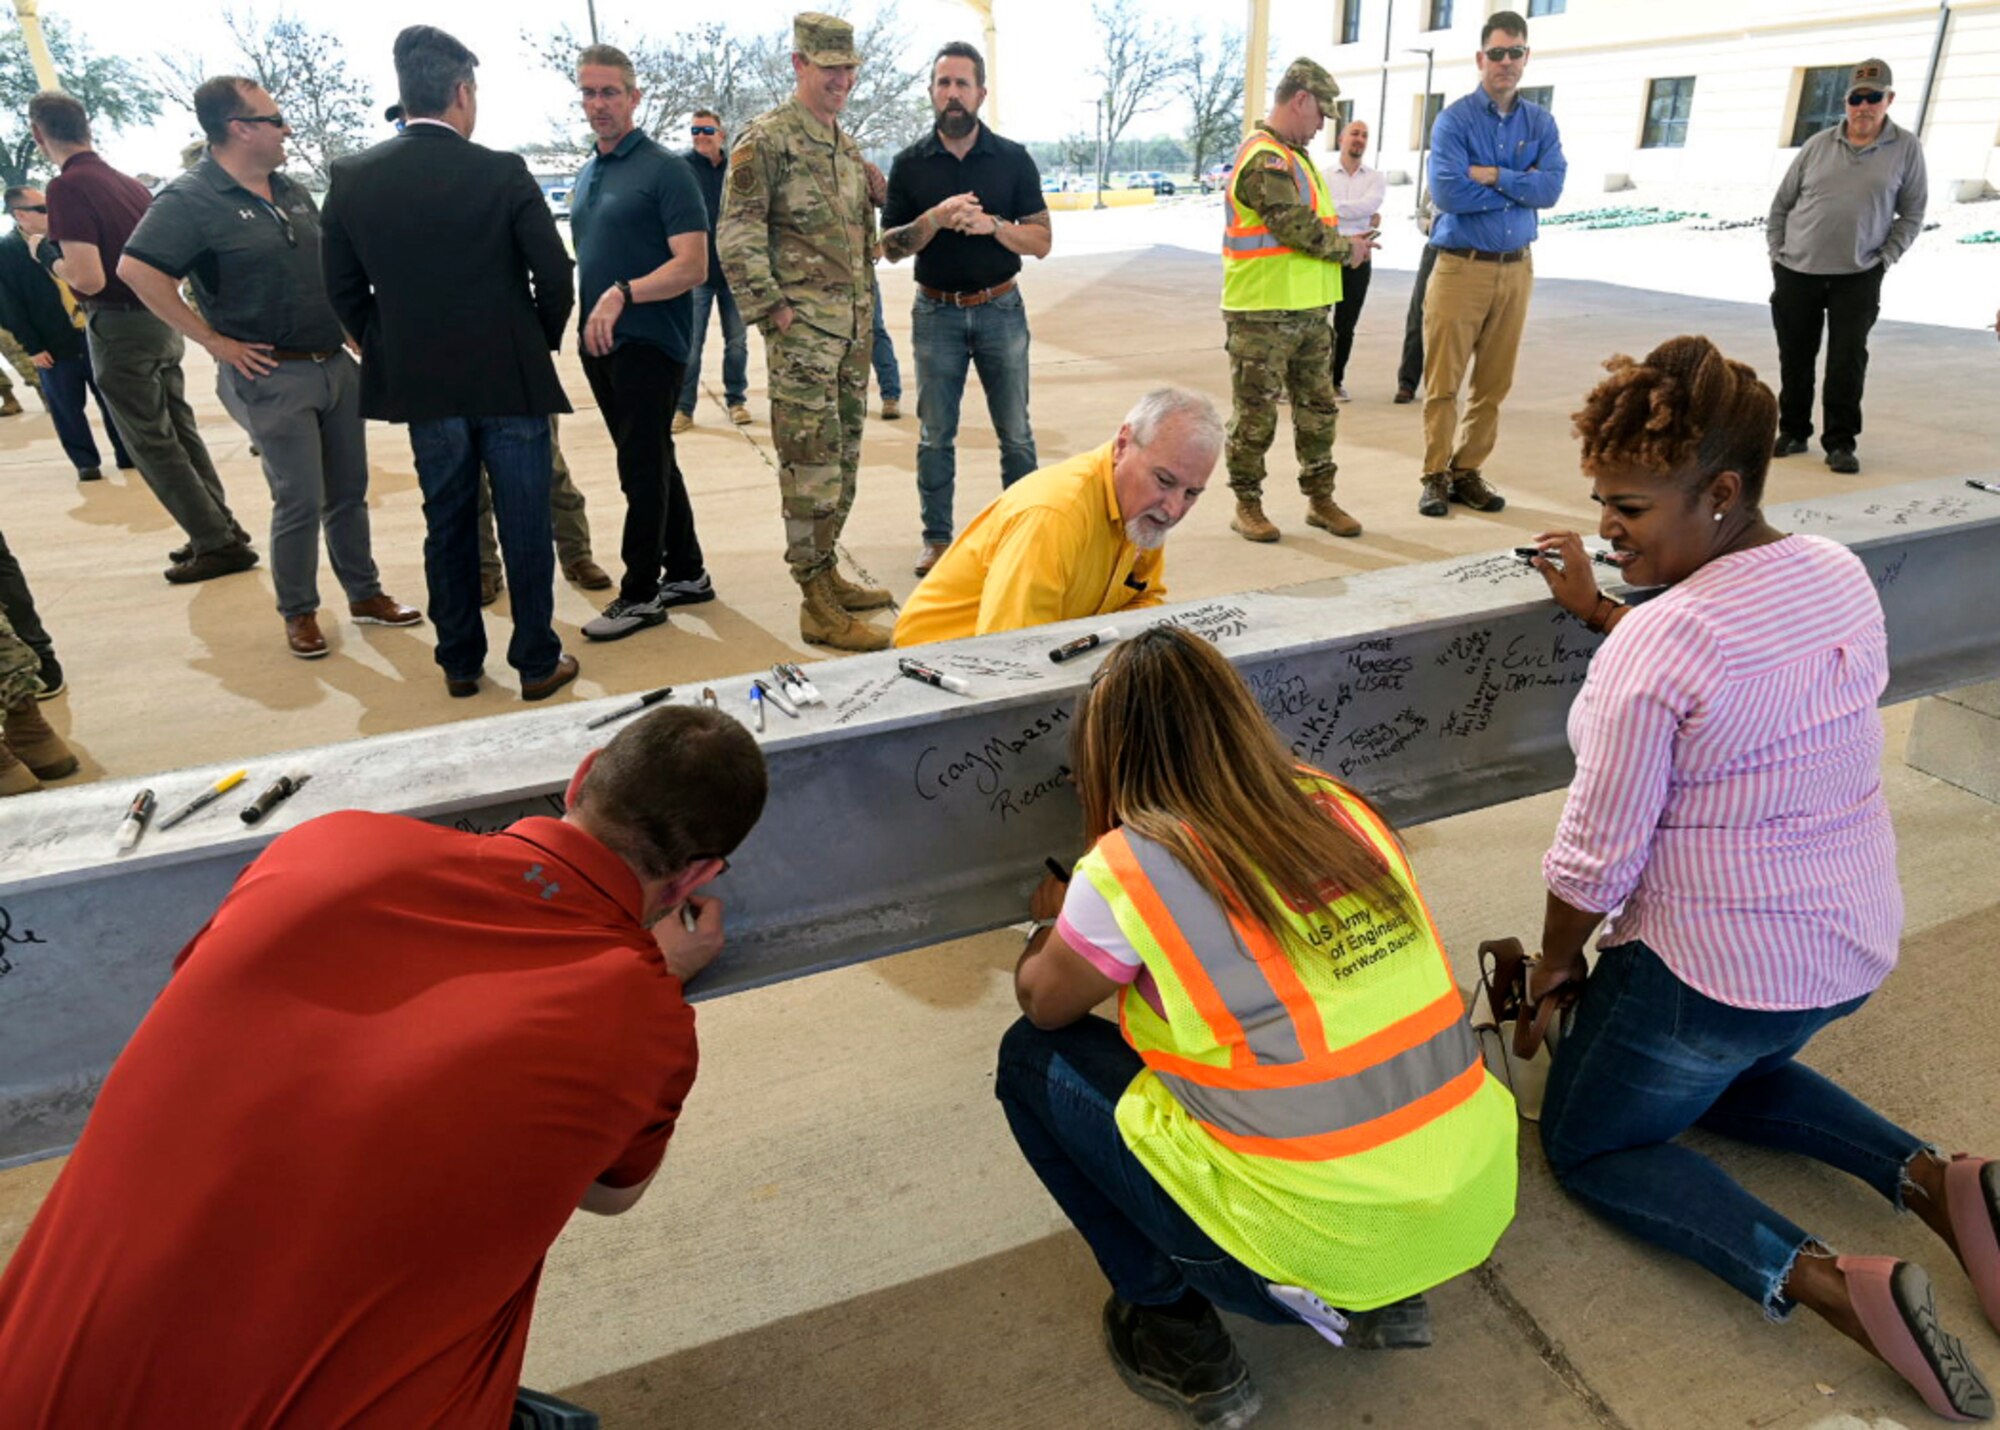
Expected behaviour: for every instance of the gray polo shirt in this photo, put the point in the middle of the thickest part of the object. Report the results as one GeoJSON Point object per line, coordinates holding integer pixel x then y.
{"type": "Point", "coordinates": [1841, 209]}
{"type": "Point", "coordinates": [255, 265]}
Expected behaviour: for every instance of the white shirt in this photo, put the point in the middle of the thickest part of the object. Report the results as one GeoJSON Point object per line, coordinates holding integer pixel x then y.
{"type": "Point", "coordinates": [1357, 197]}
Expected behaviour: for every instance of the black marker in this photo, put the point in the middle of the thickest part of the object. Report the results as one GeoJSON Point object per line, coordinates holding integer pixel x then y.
{"type": "Point", "coordinates": [1529, 553]}
{"type": "Point", "coordinates": [270, 799]}
{"type": "Point", "coordinates": [1605, 558]}
{"type": "Point", "coordinates": [806, 687]}
{"type": "Point", "coordinates": [776, 699]}
{"type": "Point", "coordinates": [654, 698]}
{"type": "Point", "coordinates": [1056, 869]}
{"type": "Point", "coordinates": [1993, 487]}
{"type": "Point", "coordinates": [933, 677]}
{"type": "Point", "coordinates": [1069, 650]}
{"type": "Point", "coordinates": [135, 820]}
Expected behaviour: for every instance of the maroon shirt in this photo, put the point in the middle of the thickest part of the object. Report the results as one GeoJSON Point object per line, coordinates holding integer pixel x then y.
{"type": "Point", "coordinates": [91, 202]}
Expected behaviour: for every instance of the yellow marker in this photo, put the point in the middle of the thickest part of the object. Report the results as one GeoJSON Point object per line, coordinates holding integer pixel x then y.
{"type": "Point", "coordinates": [207, 797]}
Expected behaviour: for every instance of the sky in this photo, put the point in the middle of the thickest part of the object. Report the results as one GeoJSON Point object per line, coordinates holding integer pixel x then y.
{"type": "Point", "coordinates": [1041, 73]}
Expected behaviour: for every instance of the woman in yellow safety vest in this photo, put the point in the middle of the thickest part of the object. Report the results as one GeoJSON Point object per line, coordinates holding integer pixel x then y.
{"type": "Point", "coordinates": [1290, 1119]}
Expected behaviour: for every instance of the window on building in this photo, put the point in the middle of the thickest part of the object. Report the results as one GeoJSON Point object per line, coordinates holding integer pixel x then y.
{"type": "Point", "coordinates": [1822, 101]}
{"type": "Point", "coordinates": [1668, 104]}
{"type": "Point", "coordinates": [1542, 94]}
{"type": "Point", "coordinates": [1343, 116]}
{"type": "Point", "coordinates": [1440, 15]}
{"type": "Point", "coordinates": [1350, 21]}
{"type": "Point", "coordinates": [1433, 105]}
{"type": "Point", "coordinates": [1546, 7]}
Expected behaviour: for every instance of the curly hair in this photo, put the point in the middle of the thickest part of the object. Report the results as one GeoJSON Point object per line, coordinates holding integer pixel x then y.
{"type": "Point", "coordinates": [1686, 411]}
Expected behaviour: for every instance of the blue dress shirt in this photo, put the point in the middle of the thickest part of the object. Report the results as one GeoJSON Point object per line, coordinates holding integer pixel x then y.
{"type": "Point", "coordinates": [1522, 144]}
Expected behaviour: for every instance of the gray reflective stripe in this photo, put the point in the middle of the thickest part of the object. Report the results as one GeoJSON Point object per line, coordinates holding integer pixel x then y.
{"type": "Point", "coordinates": [1245, 992]}
{"type": "Point", "coordinates": [1259, 242]}
{"type": "Point", "coordinates": [1336, 1104]}
{"type": "Point", "coordinates": [1250, 243]}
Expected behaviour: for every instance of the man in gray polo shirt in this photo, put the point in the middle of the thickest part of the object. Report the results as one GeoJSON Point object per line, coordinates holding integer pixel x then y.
{"type": "Point", "coordinates": [1851, 204]}
{"type": "Point", "coordinates": [249, 239]}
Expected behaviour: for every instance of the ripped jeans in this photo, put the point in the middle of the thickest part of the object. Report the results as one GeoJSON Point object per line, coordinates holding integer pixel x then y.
{"type": "Point", "coordinates": [1648, 1058]}
{"type": "Point", "coordinates": [1060, 1091]}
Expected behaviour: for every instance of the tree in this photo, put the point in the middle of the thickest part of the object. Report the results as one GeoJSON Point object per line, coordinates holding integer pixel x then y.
{"type": "Point", "coordinates": [1210, 81]}
{"type": "Point", "coordinates": [1136, 67]}
{"type": "Point", "coordinates": [114, 92]}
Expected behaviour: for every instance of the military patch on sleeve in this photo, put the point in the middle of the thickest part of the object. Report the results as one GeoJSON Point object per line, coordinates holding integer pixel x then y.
{"type": "Point", "coordinates": [1275, 161]}
{"type": "Point", "coordinates": [742, 172]}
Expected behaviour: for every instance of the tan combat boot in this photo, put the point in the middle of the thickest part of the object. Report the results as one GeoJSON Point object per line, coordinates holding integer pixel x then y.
{"type": "Point", "coordinates": [10, 405]}
{"type": "Point", "coordinates": [1250, 523]}
{"type": "Point", "coordinates": [855, 597]}
{"type": "Point", "coordinates": [35, 743]}
{"type": "Point", "coordinates": [1325, 513]}
{"type": "Point", "coordinates": [15, 777]}
{"type": "Point", "coordinates": [824, 621]}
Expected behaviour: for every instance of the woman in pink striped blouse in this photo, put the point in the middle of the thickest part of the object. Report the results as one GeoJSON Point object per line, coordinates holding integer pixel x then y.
{"type": "Point", "coordinates": [1727, 817]}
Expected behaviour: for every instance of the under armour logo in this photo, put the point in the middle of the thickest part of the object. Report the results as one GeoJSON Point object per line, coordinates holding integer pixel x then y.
{"type": "Point", "coordinates": [534, 876]}
{"type": "Point", "coordinates": [246, 214]}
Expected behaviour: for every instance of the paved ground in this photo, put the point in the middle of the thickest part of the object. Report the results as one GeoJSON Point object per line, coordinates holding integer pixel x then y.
{"type": "Point", "coordinates": [843, 1235]}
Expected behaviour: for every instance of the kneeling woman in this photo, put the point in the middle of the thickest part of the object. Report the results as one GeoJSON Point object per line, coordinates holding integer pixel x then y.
{"type": "Point", "coordinates": [1728, 806]}
{"type": "Point", "coordinates": [1295, 1124]}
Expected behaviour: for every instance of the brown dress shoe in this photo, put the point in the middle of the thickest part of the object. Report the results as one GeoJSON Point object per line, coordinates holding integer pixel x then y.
{"type": "Point", "coordinates": [588, 574]}
{"type": "Point", "coordinates": [1325, 513]}
{"type": "Point", "coordinates": [490, 583]}
{"type": "Point", "coordinates": [682, 421]}
{"type": "Point", "coordinates": [932, 553]}
{"type": "Point", "coordinates": [740, 415]}
{"type": "Point", "coordinates": [1471, 489]}
{"type": "Point", "coordinates": [303, 636]}
{"type": "Point", "coordinates": [1251, 524]}
{"type": "Point", "coordinates": [384, 610]}
{"type": "Point", "coordinates": [565, 671]}
{"type": "Point", "coordinates": [461, 689]}
{"type": "Point", "coordinates": [1406, 394]}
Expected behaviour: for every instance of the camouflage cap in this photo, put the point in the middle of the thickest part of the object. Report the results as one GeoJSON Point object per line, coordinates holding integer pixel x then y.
{"type": "Point", "coordinates": [1307, 74]}
{"type": "Point", "coordinates": [826, 40]}
{"type": "Point", "coordinates": [1871, 74]}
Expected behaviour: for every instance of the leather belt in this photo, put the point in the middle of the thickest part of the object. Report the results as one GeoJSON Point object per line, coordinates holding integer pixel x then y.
{"type": "Point", "coordinates": [967, 300]}
{"type": "Point", "coordinates": [1480, 255]}
{"type": "Point", "coordinates": [302, 354]}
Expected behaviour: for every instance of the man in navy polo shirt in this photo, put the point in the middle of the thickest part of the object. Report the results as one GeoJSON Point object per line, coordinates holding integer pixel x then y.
{"type": "Point", "coordinates": [968, 204]}
{"type": "Point", "coordinates": [709, 158]}
{"type": "Point", "coordinates": [641, 245]}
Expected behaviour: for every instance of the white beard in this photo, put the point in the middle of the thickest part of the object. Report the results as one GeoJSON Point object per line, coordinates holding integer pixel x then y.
{"type": "Point", "coordinates": [1146, 535]}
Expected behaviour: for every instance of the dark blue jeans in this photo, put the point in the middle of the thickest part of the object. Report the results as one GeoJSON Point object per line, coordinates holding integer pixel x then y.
{"type": "Point", "coordinates": [1060, 1091]}
{"type": "Point", "coordinates": [888, 377]}
{"type": "Point", "coordinates": [67, 387]}
{"type": "Point", "coordinates": [735, 348]}
{"type": "Point", "coordinates": [518, 458]}
{"type": "Point", "coordinates": [1648, 1058]}
{"type": "Point", "coordinates": [994, 339]}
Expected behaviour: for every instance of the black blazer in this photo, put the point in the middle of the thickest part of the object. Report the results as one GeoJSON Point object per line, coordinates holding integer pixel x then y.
{"type": "Point", "coordinates": [442, 258]}
{"type": "Point", "coordinates": [30, 307]}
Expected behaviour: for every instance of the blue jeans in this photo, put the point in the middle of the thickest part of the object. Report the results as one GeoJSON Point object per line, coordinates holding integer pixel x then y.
{"type": "Point", "coordinates": [1648, 1058]}
{"type": "Point", "coordinates": [518, 459]}
{"type": "Point", "coordinates": [888, 377]}
{"type": "Point", "coordinates": [1060, 1090]}
{"type": "Point", "coordinates": [67, 387]}
{"type": "Point", "coordinates": [993, 338]}
{"type": "Point", "coordinates": [735, 348]}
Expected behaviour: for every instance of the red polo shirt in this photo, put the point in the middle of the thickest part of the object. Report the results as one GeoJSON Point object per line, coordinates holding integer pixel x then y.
{"type": "Point", "coordinates": [91, 202]}
{"type": "Point", "coordinates": [319, 1182]}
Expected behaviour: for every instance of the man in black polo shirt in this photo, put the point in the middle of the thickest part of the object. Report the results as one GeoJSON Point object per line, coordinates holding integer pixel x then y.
{"type": "Point", "coordinates": [641, 235]}
{"type": "Point", "coordinates": [969, 205]}
{"type": "Point", "coordinates": [249, 238]}
{"type": "Point", "coordinates": [709, 159]}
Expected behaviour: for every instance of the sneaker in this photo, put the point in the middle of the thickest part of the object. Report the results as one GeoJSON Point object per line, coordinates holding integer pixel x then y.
{"type": "Point", "coordinates": [686, 593]}
{"type": "Point", "coordinates": [1788, 446]}
{"type": "Point", "coordinates": [892, 409]}
{"type": "Point", "coordinates": [1436, 497]}
{"type": "Point", "coordinates": [1843, 461]}
{"type": "Point", "coordinates": [623, 618]}
{"type": "Point", "coordinates": [682, 421]}
{"type": "Point", "coordinates": [206, 567]}
{"type": "Point", "coordinates": [1340, 392]}
{"type": "Point", "coordinates": [90, 474]}
{"type": "Point", "coordinates": [1471, 489]}
{"type": "Point", "coordinates": [740, 415]}
{"type": "Point", "coordinates": [51, 676]}
{"type": "Point", "coordinates": [1191, 1365]}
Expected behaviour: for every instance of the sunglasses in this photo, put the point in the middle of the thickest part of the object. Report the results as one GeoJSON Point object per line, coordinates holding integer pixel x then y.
{"type": "Point", "coordinates": [30, 209]}
{"type": "Point", "coordinates": [1866, 96]}
{"type": "Point", "coordinates": [1507, 52]}
{"type": "Point", "coordinates": [276, 121]}
{"type": "Point", "coordinates": [703, 129]}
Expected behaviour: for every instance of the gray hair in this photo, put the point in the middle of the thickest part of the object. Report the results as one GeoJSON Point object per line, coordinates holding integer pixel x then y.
{"type": "Point", "coordinates": [1202, 424]}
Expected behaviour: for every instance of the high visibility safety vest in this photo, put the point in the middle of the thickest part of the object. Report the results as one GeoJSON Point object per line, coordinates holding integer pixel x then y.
{"type": "Point", "coordinates": [1260, 274]}
{"type": "Point", "coordinates": [1325, 1116]}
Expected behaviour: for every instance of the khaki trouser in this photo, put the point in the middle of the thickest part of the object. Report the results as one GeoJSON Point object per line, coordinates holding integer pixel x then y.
{"type": "Point", "coordinates": [1473, 315]}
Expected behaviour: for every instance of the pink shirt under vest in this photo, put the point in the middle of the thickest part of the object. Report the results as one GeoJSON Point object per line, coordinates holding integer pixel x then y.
{"type": "Point", "coordinates": [1727, 808]}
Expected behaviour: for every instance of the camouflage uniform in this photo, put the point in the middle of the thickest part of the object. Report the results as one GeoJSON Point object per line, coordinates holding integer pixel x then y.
{"type": "Point", "coordinates": [20, 668]}
{"type": "Point", "coordinates": [797, 229]}
{"type": "Point", "coordinates": [23, 364]}
{"type": "Point", "coordinates": [1271, 352]}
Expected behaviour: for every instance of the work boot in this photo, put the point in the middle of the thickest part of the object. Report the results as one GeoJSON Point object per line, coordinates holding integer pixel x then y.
{"type": "Point", "coordinates": [824, 621]}
{"type": "Point", "coordinates": [15, 777]}
{"type": "Point", "coordinates": [892, 408]}
{"type": "Point", "coordinates": [1471, 489]}
{"type": "Point", "coordinates": [10, 405]}
{"type": "Point", "coordinates": [855, 597]}
{"type": "Point", "coordinates": [586, 573]}
{"type": "Point", "coordinates": [490, 583]}
{"type": "Point", "coordinates": [682, 421]}
{"type": "Point", "coordinates": [1189, 1364]}
{"type": "Point", "coordinates": [1435, 499]}
{"type": "Point", "coordinates": [35, 743]}
{"type": "Point", "coordinates": [1325, 513]}
{"type": "Point", "coordinates": [740, 415]}
{"type": "Point", "coordinates": [1250, 523]}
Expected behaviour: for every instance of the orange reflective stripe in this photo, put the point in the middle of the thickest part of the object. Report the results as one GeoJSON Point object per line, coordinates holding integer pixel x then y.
{"type": "Point", "coordinates": [1193, 978]}
{"type": "Point", "coordinates": [1419, 1027]}
{"type": "Point", "coordinates": [1283, 976]}
{"type": "Point", "coordinates": [1351, 1140]}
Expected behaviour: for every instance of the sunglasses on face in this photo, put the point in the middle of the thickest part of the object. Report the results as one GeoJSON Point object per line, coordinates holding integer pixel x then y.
{"type": "Point", "coordinates": [1507, 52]}
{"type": "Point", "coordinates": [30, 208]}
{"type": "Point", "coordinates": [703, 129]}
{"type": "Point", "coordinates": [1865, 96]}
{"type": "Point", "coordinates": [276, 121]}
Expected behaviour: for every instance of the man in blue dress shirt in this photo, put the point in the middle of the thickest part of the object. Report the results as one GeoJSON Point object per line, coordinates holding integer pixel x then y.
{"type": "Point", "coordinates": [1495, 160]}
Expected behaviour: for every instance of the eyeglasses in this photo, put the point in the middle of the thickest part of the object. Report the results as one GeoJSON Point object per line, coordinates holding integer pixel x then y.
{"type": "Point", "coordinates": [1866, 96]}
{"type": "Point", "coordinates": [29, 209]}
{"type": "Point", "coordinates": [276, 121]}
{"type": "Point", "coordinates": [703, 129]}
{"type": "Point", "coordinates": [1507, 52]}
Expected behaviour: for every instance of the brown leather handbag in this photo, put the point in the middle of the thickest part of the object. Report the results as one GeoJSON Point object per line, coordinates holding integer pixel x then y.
{"type": "Point", "coordinates": [1519, 1056]}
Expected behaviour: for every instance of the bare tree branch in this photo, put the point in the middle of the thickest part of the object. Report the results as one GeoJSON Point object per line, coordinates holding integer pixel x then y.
{"type": "Point", "coordinates": [1136, 68]}
{"type": "Point", "coordinates": [1210, 80]}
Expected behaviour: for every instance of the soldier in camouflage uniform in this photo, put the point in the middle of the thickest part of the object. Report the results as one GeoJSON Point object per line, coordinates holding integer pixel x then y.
{"type": "Point", "coordinates": [10, 346]}
{"type": "Point", "coordinates": [797, 239]}
{"type": "Point", "coordinates": [1278, 251]}
{"type": "Point", "coordinates": [30, 750]}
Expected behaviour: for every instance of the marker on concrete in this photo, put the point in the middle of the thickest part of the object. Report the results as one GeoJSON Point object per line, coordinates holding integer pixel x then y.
{"type": "Point", "coordinates": [270, 799]}
{"type": "Point", "coordinates": [708, 698]}
{"type": "Point", "coordinates": [806, 687]}
{"type": "Point", "coordinates": [933, 677]}
{"type": "Point", "coordinates": [650, 698]}
{"type": "Point", "coordinates": [135, 820]}
{"type": "Point", "coordinates": [1069, 650]}
{"type": "Point", "coordinates": [757, 705]}
{"type": "Point", "coordinates": [776, 699]}
{"type": "Point", "coordinates": [207, 797]}
{"type": "Point", "coordinates": [1993, 487]}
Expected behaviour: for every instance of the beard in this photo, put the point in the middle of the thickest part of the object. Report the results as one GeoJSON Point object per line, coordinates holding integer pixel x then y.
{"type": "Point", "coordinates": [1146, 535]}
{"type": "Point", "coordinates": [954, 122]}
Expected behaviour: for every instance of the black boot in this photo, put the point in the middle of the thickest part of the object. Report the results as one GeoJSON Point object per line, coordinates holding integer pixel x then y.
{"type": "Point", "coordinates": [1189, 1364]}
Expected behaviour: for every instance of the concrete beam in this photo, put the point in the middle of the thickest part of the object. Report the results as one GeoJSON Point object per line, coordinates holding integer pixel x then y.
{"type": "Point", "coordinates": [900, 815]}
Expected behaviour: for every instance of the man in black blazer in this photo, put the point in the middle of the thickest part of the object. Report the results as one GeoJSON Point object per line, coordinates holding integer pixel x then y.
{"type": "Point", "coordinates": [442, 259]}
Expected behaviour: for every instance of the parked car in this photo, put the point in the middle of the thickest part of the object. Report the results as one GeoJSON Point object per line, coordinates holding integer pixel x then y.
{"type": "Point", "coordinates": [558, 203]}
{"type": "Point", "coordinates": [1216, 177]}
{"type": "Point", "coordinates": [1152, 179]}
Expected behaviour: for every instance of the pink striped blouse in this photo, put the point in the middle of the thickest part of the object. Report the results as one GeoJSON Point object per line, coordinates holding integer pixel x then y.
{"type": "Point", "coordinates": [1727, 807]}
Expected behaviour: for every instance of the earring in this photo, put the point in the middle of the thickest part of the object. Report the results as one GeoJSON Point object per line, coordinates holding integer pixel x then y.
{"type": "Point", "coordinates": [1718, 516]}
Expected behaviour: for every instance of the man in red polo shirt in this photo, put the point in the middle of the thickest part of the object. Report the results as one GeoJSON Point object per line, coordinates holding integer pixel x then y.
{"type": "Point", "coordinates": [318, 1184]}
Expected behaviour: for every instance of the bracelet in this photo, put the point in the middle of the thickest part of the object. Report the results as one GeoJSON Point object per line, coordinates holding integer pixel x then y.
{"type": "Point", "coordinates": [1601, 614]}
{"type": "Point", "coordinates": [624, 287]}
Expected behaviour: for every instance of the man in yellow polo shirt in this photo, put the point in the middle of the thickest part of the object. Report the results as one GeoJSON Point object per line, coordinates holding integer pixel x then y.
{"type": "Point", "coordinates": [1082, 538]}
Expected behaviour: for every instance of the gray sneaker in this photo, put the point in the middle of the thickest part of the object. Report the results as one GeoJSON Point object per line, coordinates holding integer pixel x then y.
{"type": "Point", "coordinates": [622, 617]}
{"type": "Point", "coordinates": [686, 593]}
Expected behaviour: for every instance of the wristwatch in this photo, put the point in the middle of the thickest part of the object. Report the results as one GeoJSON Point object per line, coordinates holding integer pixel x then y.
{"type": "Point", "coordinates": [1000, 223]}
{"type": "Point", "coordinates": [625, 288]}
